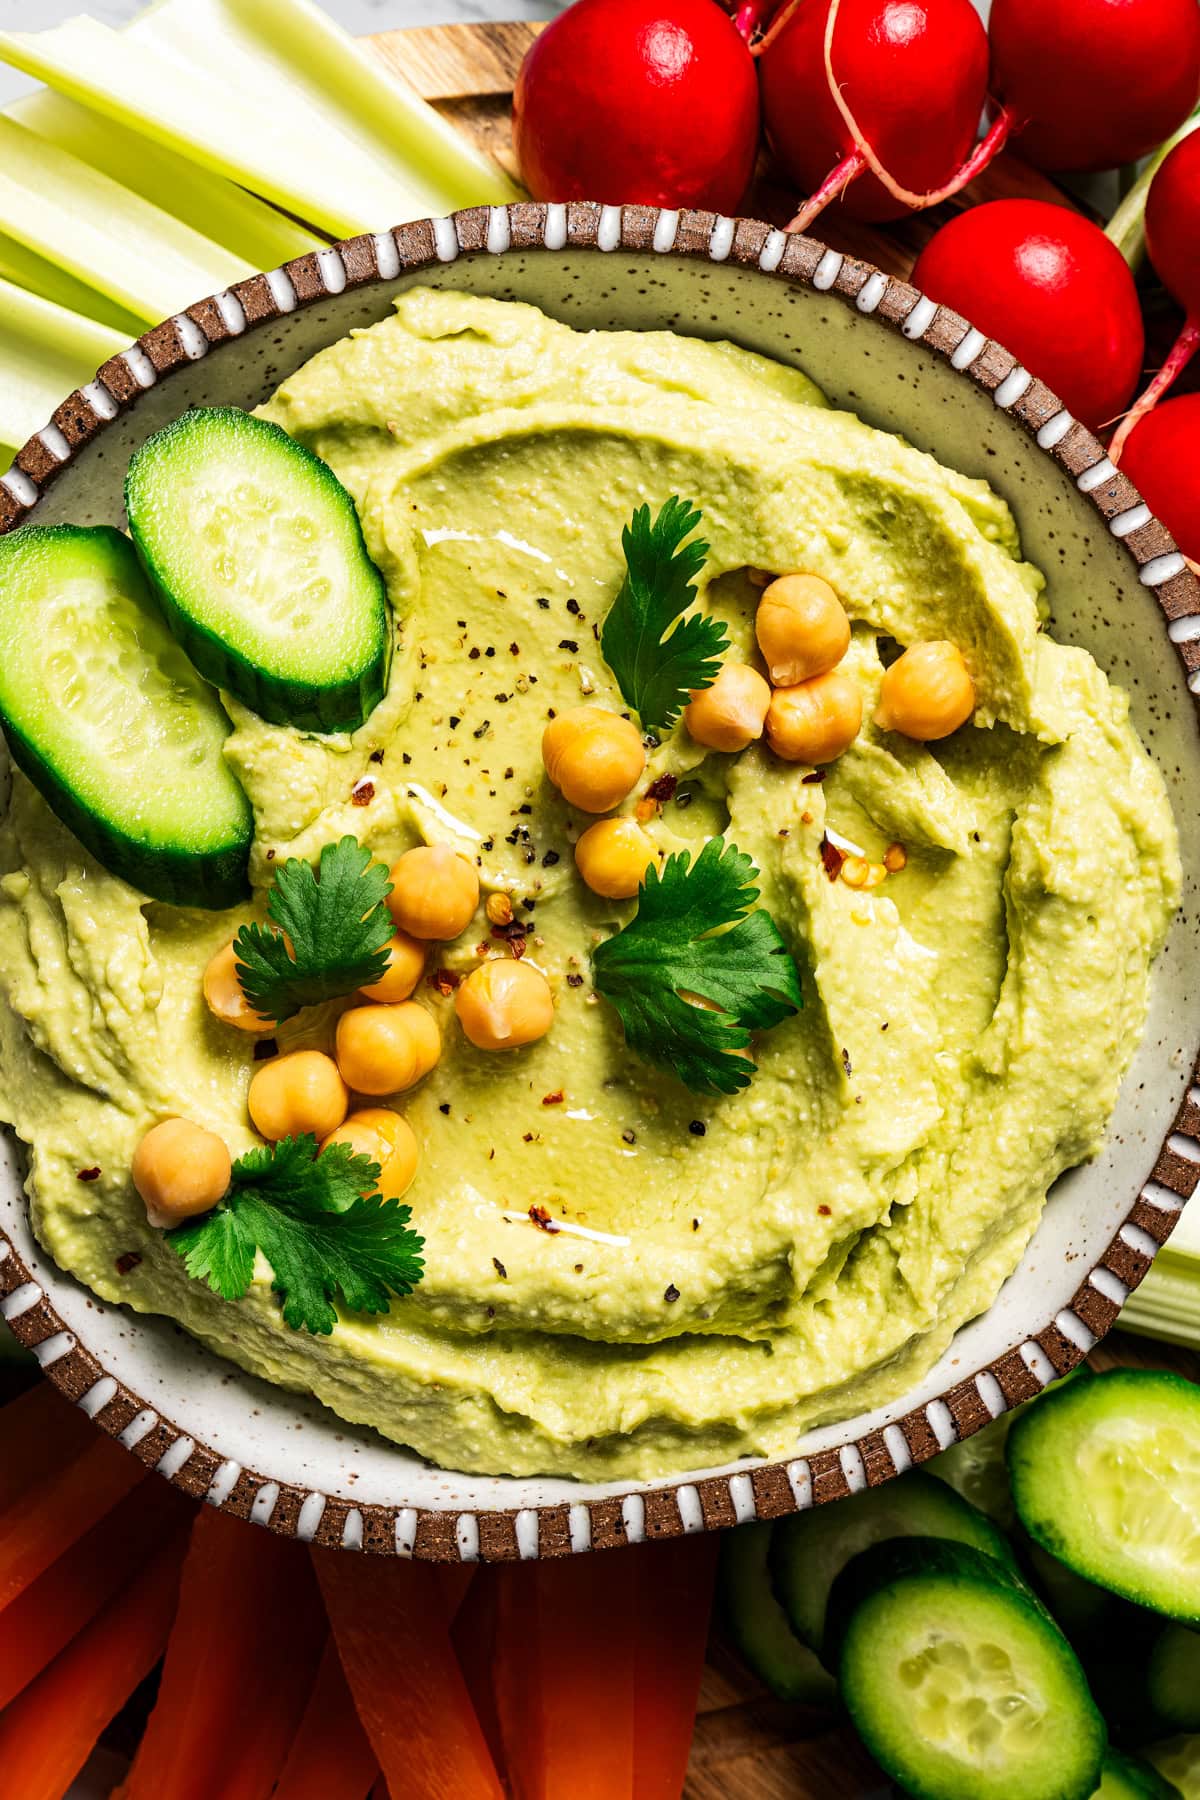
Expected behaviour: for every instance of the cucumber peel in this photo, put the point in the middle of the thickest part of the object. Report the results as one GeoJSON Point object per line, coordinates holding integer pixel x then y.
{"type": "Point", "coordinates": [105, 715]}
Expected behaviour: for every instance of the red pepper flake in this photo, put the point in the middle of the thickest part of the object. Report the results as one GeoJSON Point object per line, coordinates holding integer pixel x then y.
{"type": "Point", "coordinates": [662, 788]}
{"type": "Point", "coordinates": [362, 793]}
{"type": "Point", "coordinates": [443, 981]}
{"type": "Point", "coordinates": [831, 859]}
{"type": "Point", "coordinates": [87, 1175]}
{"type": "Point", "coordinates": [824, 1210]}
{"type": "Point", "coordinates": [128, 1263]}
{"type": "Point", "coordinates": [516, 944]}
{"type": "Point", "coordinates": [554, 1099]}
{"type": "Point", "coordinates": [813, 775]}
{"type": "Point", "coordinates": [542, 1219]}
{"type": "Point", "coordinates": [671, 1294]}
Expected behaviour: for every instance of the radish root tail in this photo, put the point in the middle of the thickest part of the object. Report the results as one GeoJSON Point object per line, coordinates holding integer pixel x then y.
{"type": "Point", "coordinates": [1182, 352]}
{"type": "Point", "coordinates": [863, 157]}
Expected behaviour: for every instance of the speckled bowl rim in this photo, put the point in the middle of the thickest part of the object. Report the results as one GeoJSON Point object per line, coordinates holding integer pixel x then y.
{"type": "Point", "coordinates": [773, 1489]}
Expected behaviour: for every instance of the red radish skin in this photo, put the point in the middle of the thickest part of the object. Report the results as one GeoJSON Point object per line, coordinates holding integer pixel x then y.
{"type": "Point", "coordinates": [1162, 459]}
{"type": "Point", "coordinates": [649, 101]}
{"type": "Point", "coordinates": [1045, 282]}
{"type": "Point", "coordinates": [912, 72]}
{"type": "Point", "coordinates": [1094, 84]}
{"type": "Point", "coordinates": [1173, 245]}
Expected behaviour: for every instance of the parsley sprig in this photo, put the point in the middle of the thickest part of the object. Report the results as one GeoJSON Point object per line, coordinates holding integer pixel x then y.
{"type": "Point", "coordinates": [320, 1224]}
{"type": "Point", "coordinates": [336, 925]}
{"type": "Point", "coordinates": [657, 673]}
{"type": "Point", "coordinates": [677, 944]}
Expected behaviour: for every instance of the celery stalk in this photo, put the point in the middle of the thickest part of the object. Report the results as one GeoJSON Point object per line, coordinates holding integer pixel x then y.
{"type": "Point", "coordinates": [275, 96]}
{"type": "Point", "coordinates": [45, 352]}
{"type": "Point", "coordinates": [1127, 227]}
{"type": "Point", "coordinates": [26, 269]}
{"type": "Point", "coordinates": [100, 232]}
{"type": "Point", "coordinates": [216, 208]}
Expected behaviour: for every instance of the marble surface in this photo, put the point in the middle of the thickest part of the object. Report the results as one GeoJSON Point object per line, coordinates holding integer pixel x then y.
{"type": "Point", "coordinates": [359, 16]}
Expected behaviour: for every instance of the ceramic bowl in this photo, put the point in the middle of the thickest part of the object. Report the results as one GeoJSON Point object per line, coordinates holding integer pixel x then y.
{"type": "Point", "coordinates": [1118, 586]}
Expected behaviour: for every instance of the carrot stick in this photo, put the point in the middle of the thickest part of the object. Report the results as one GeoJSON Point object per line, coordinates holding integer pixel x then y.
{"type": "Point", "coordinates": [240, 1667]}
{"type": "Point", "coordinates": [48, 1732]}
{"type": "Point", "coordinates": [52, 1609]}
{"type": "Point", "coordinates": [594, 1664]}
{"type": "Point", "coordinates": [331, 1757]}
{"type": "Point", "coordinates": [45, 1519]}
{"type": "Point", "coordinates": [391, 1623]}
{"type": "Point", "coordinates": [674, 1610]}
{"type": "Point", "coordinates": [39, 1432]}
{"type": "Point", "coordinates": [564, 1676]}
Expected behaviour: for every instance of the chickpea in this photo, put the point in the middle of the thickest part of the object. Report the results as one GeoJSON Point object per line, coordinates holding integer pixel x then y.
{"type": "Point", "coordinates": [504, 1004]}
{"type": "Point", "coordinates": [802, 629]}
{"type": "Point", "coordinates": [298, 1093]}
{"type": "Point", "coordinates": [385, 1049]}
{"type": "Point", "coordinates": [406, 965]}
{"type": "Point", "coordinates": [434, 892]}
{"type": "Point", "coordinates": [180, 1170]}
{"type": "Point", "coordinates": [223, 993]}
{"type": "Point", "coordinates": [729, 714]}
{"type": "Point", "coordinates": [927, 693]}
{"type": "Point", "coordinates": [612, 856]}
{"type": "Point", "coordinates": [815, 721]}
{"type": "Point", "coordinates": [388, 1139]}
{"type": "Point", "coordinates": [594, 757]}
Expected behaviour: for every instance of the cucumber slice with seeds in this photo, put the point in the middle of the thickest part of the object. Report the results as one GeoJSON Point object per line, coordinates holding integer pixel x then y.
{"type": "Point", "coordinates": [809, 1548]}
{"type": "Point", "coordinates": [105, 714]}
{"type": "Point", "coordinates": [257, 555]}
{"type": "Point", "coordinates": [1106, 1477]}
{"type": "Point", "coordinates": [958, 1681]}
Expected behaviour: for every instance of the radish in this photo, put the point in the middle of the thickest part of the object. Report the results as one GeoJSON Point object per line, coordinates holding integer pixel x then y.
{"type": "Point", "coordinates": [1162, 459]}
{"type": "Point", "coordinates": [1173, 245]}
{"type": "Point", "coordinates": [1047, 283]}
{"type": "Point", "coordinates": [876, 102]}
{"type": "Point", "coordinates": [638, 100]}
{"type": "Point", "coordinates": [1094, 84]}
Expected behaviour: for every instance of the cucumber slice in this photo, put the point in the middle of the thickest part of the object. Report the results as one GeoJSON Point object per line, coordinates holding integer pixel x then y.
{"type": "Point", "coordinates": [1129, 1778]}
{"type": "Point", "coordinates": [1106, 1476]}
{"type": "Point", "coordinates": [1177, 1760]}
{"type": "Point", "coordinates": [1173, 1679]}
{"type": "Point", "coordinates": [107, 717]}
{"type": "Point", "coordinates": [1087, 1613]}
{"type": "Point", "coordinates": [809, 1549]}
{"type": "Point", "coordinates": [956, 1678]}
{"type": "Point", "coordinates": [758, 1625]}
{"type": "Point", "coordinates": [258, 557]}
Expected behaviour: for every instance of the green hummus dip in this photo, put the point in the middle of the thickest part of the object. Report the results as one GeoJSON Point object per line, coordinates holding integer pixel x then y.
{"type": "Point", "coordinates": [726, 1271]}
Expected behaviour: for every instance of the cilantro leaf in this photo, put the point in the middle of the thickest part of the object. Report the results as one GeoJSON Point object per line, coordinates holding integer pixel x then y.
{"type": "Point", "coordinates": [656, 673]}
{"type": "Point", "coordinates": [318, 1221]}
{"type": "Point", "coordinates": [669, 950]}
{"type": "Point", "coordinates": [335, 922]}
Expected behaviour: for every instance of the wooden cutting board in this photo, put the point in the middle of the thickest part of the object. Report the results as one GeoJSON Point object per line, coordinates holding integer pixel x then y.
{"type": "Point", "coordinates": [747, 1746]}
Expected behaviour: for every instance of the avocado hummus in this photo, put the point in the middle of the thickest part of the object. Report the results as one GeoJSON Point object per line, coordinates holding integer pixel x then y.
{"type": "Point", "coordinates": [623, 1278]}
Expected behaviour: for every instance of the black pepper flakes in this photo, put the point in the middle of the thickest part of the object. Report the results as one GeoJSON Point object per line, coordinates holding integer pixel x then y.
{"type": "Point", "coordinates": [697, 1128]}
{"type": "Point", "coordinates": [455, 721]}
{"type": "Point", "coordinates": [445, 1108]}
{"type": "Point", "coordinates": [846, 1062]}
{"type": "Point", "coordinates": [671, 1294]}
{"type": "Point", "coordinates": [474, 653]}
{"type": "Point", "coordinates": [126, 1264]}
{"type": "Point", "coordinates": [543, 603]}
{"type": "Point", "coordinates": [574, 980]}
{"type": "Point", "coordinates": [628, 1136]}
{"type": "Point", "coordinates": [377, 756]}
{"type": "Point", "coordinates": [569, 644]}
{"type": "Point", "coordinates": [573, 607]}
{"type": "Point", "coordinates": [550, 858]}
{"type": "Point", "coordinates": [695, 1224]}
{"type": "Point", "coordinates": [482, 729]}
{"type": "Point", "coordinates": [500, 1269]}
{"type": "Point", "coordinates": [813, 775]}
